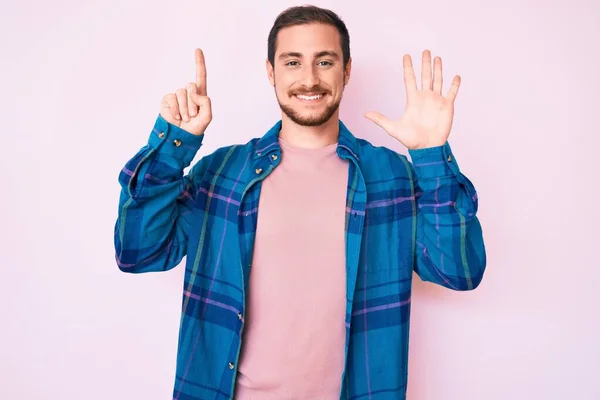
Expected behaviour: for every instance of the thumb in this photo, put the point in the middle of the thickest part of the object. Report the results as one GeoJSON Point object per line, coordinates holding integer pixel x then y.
{"type": "Point", "coordinates": [203, 102]}
{"type": "Point", "coordinates": [379, 119]}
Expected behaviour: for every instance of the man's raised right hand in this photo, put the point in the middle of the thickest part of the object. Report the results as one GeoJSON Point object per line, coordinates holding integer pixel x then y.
{"type": "Point", "coordinates": [189, 108]}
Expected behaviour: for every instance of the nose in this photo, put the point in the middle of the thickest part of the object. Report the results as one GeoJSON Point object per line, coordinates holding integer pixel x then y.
{"type": "Point", "coordinates": [311, 77]}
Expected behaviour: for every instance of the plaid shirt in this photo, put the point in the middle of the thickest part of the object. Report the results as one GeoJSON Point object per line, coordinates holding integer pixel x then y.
{"type": "Point", "coordinates": [400, 217]}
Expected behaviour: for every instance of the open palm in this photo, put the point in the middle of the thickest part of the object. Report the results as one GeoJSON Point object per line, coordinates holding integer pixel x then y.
{"type": "Point", "coordinates": [428, 117]}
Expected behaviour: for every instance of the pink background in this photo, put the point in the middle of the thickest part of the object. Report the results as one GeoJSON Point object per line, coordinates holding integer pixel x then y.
{"type": "Point", "coordinates": [81, 85]}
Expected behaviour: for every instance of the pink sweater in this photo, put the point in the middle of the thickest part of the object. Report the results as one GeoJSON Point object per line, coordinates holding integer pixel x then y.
{"type": "Point", "coordinates": [293, 344]}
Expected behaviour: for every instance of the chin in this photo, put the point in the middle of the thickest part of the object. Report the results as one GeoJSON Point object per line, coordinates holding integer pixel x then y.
{"type": "Point", "coordinates": [310, 119]}
{"type": "Point", "coordinates": [303, 117]}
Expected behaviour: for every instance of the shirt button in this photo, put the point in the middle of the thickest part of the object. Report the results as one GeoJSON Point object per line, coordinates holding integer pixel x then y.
{"type": "Point", "coordinates": [258, 171]}
{"type": "Point", "coordinates": [231, 365]}
{"type": "Point", "coordinates": [273, 157]}
{"type": "Point", "coordinates": [449, 158]}
{"type": "Point", "coordinates": [161, 135]}
{"type": "Point", "coordinates": [177, 142]}
{"type": "Point", "coordinates": [240, 316]}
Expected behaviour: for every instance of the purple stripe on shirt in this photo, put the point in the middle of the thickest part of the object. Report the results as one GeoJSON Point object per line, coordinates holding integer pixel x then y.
{"type": "Point", "coordinates": [187, 194]}
{"type": "Point", "coordinates": [436, 205]}
{"type": "Point", "coordinates": [127, 171]}
{"type": "Point", "coordinates": [155, 179]}
{"type": "Point", "coordinates": [265, 148]}
{"type": "Point", "coordinates": [213, 302]}
{"type": "Point", "coordinates": [220, 197]}
{"type": "Point", "coordinates": [353, 211]}
{"type": "Point", "coordinates": [246, 213]}
{"type": "Point", "coordinates": [387, 202]}
{"type": "Point", "coordinates": [429, 163]}
{"type": "Point", "coordinates": [380, 308]}
{"type": "Point", "coordinates": [426, 254]}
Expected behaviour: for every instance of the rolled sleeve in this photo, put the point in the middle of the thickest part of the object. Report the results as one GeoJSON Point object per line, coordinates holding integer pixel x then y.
{"type": "Point", "coordinates": [434, 162]}
{"type": "Point", "coordinates": [168, 139]}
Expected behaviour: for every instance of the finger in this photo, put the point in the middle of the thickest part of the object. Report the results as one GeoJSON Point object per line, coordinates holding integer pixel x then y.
{"type": "Point", "coordinates": [183, 107]}
{"type": "Point", "coordinates": [191, 89]}
{"type": "Point", "coordinates": [410, 82]}
{"type": "Point", "coordinates": [203, 103]}
{"type": "Point", "coordinates": [437, 75]}
{"type": "Point", "coordinates": [379, 119]}
{"type": "Point", "coordinates": [453, 91]}
{"type": "Point", "coordinates": [426, 71]}
{"type": "Point", "coordinates": [169, 106]}
{"type": "Point", "coordinates": [200, 73]}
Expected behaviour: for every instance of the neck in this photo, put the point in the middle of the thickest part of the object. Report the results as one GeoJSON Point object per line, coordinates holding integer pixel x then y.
{"type": "Point", "coordinates": [310, 136]}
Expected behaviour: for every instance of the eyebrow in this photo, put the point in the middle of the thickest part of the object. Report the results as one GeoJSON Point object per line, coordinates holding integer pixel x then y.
{"type": "Point", "coordinates": [325, 53]}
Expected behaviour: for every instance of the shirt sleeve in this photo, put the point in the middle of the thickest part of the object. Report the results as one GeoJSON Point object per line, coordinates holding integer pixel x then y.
{"type": "Point", "coordinates": [450, 249]}
{"type": "Point", "coordinates": [156, 200]}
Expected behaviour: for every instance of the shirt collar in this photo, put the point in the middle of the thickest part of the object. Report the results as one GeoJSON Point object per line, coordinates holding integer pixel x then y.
{"type": "Point", "coordinates": [269, 142]}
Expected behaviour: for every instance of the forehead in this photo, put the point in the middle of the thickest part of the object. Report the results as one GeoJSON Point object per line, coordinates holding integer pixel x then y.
{"type": "Point", "coordinates": [308, 39]}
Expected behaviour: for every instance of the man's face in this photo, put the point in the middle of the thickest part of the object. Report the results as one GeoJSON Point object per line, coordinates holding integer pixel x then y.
{"type": "Point", "coordinates": [308, 73]}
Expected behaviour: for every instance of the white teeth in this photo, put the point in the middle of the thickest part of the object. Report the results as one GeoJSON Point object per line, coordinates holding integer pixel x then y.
{"type": "Point", "coordinates": [315, 97]}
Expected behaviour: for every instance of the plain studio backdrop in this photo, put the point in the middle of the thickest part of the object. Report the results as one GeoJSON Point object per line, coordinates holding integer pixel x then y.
{"type": "Point", "coordinates": [81, 87]}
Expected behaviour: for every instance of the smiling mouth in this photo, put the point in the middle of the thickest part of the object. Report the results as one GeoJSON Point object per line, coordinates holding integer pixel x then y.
{"type": "Point", "coordinates": [312, 97]}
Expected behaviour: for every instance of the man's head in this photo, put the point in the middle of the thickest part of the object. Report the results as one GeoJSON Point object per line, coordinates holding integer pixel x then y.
{"type": "Point", "coordinates": [309, 63]}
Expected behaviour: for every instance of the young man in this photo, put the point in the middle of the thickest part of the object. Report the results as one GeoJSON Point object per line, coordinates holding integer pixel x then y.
{"type": "Point", "coordinates": [301, 244]}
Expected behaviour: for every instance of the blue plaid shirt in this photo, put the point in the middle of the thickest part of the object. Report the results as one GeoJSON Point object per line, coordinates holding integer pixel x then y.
{"type": "Point", "coordinates": [401, 217]}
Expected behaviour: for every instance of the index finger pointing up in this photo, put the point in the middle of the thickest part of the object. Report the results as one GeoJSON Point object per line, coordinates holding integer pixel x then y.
{"type": "Point", "coordinates": [200, 73]}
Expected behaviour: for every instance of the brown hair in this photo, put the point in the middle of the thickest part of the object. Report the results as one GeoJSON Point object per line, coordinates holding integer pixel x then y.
{"type": "Point", "coordinates": [300, 15]}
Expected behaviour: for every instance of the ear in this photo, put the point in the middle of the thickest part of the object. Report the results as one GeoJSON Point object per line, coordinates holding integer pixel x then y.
{"type": "Point", "coordinates": [270, 72]}
{"type": "Point", "coordinates": [347, 71]}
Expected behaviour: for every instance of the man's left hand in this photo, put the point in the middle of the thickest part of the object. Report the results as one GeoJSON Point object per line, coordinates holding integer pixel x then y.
{"type": "Point", "coordinates": [428, 117]}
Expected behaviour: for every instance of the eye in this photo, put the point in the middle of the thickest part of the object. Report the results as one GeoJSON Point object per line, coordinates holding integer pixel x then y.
{"type": "Point", "coordinates": [292, 63]}
{"type": "Point", "coordinates": [325, 63]}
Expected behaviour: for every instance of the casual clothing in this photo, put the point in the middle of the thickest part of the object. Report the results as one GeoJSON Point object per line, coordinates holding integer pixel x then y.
{"type": "Point", "coordinates": [399, 217]}
{"type": "Point", "coordinates": [293, 344]}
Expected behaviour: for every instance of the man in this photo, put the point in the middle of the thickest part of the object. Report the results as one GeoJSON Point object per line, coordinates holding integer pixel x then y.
{"type": "Point", "coordinates": [301, 244]}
